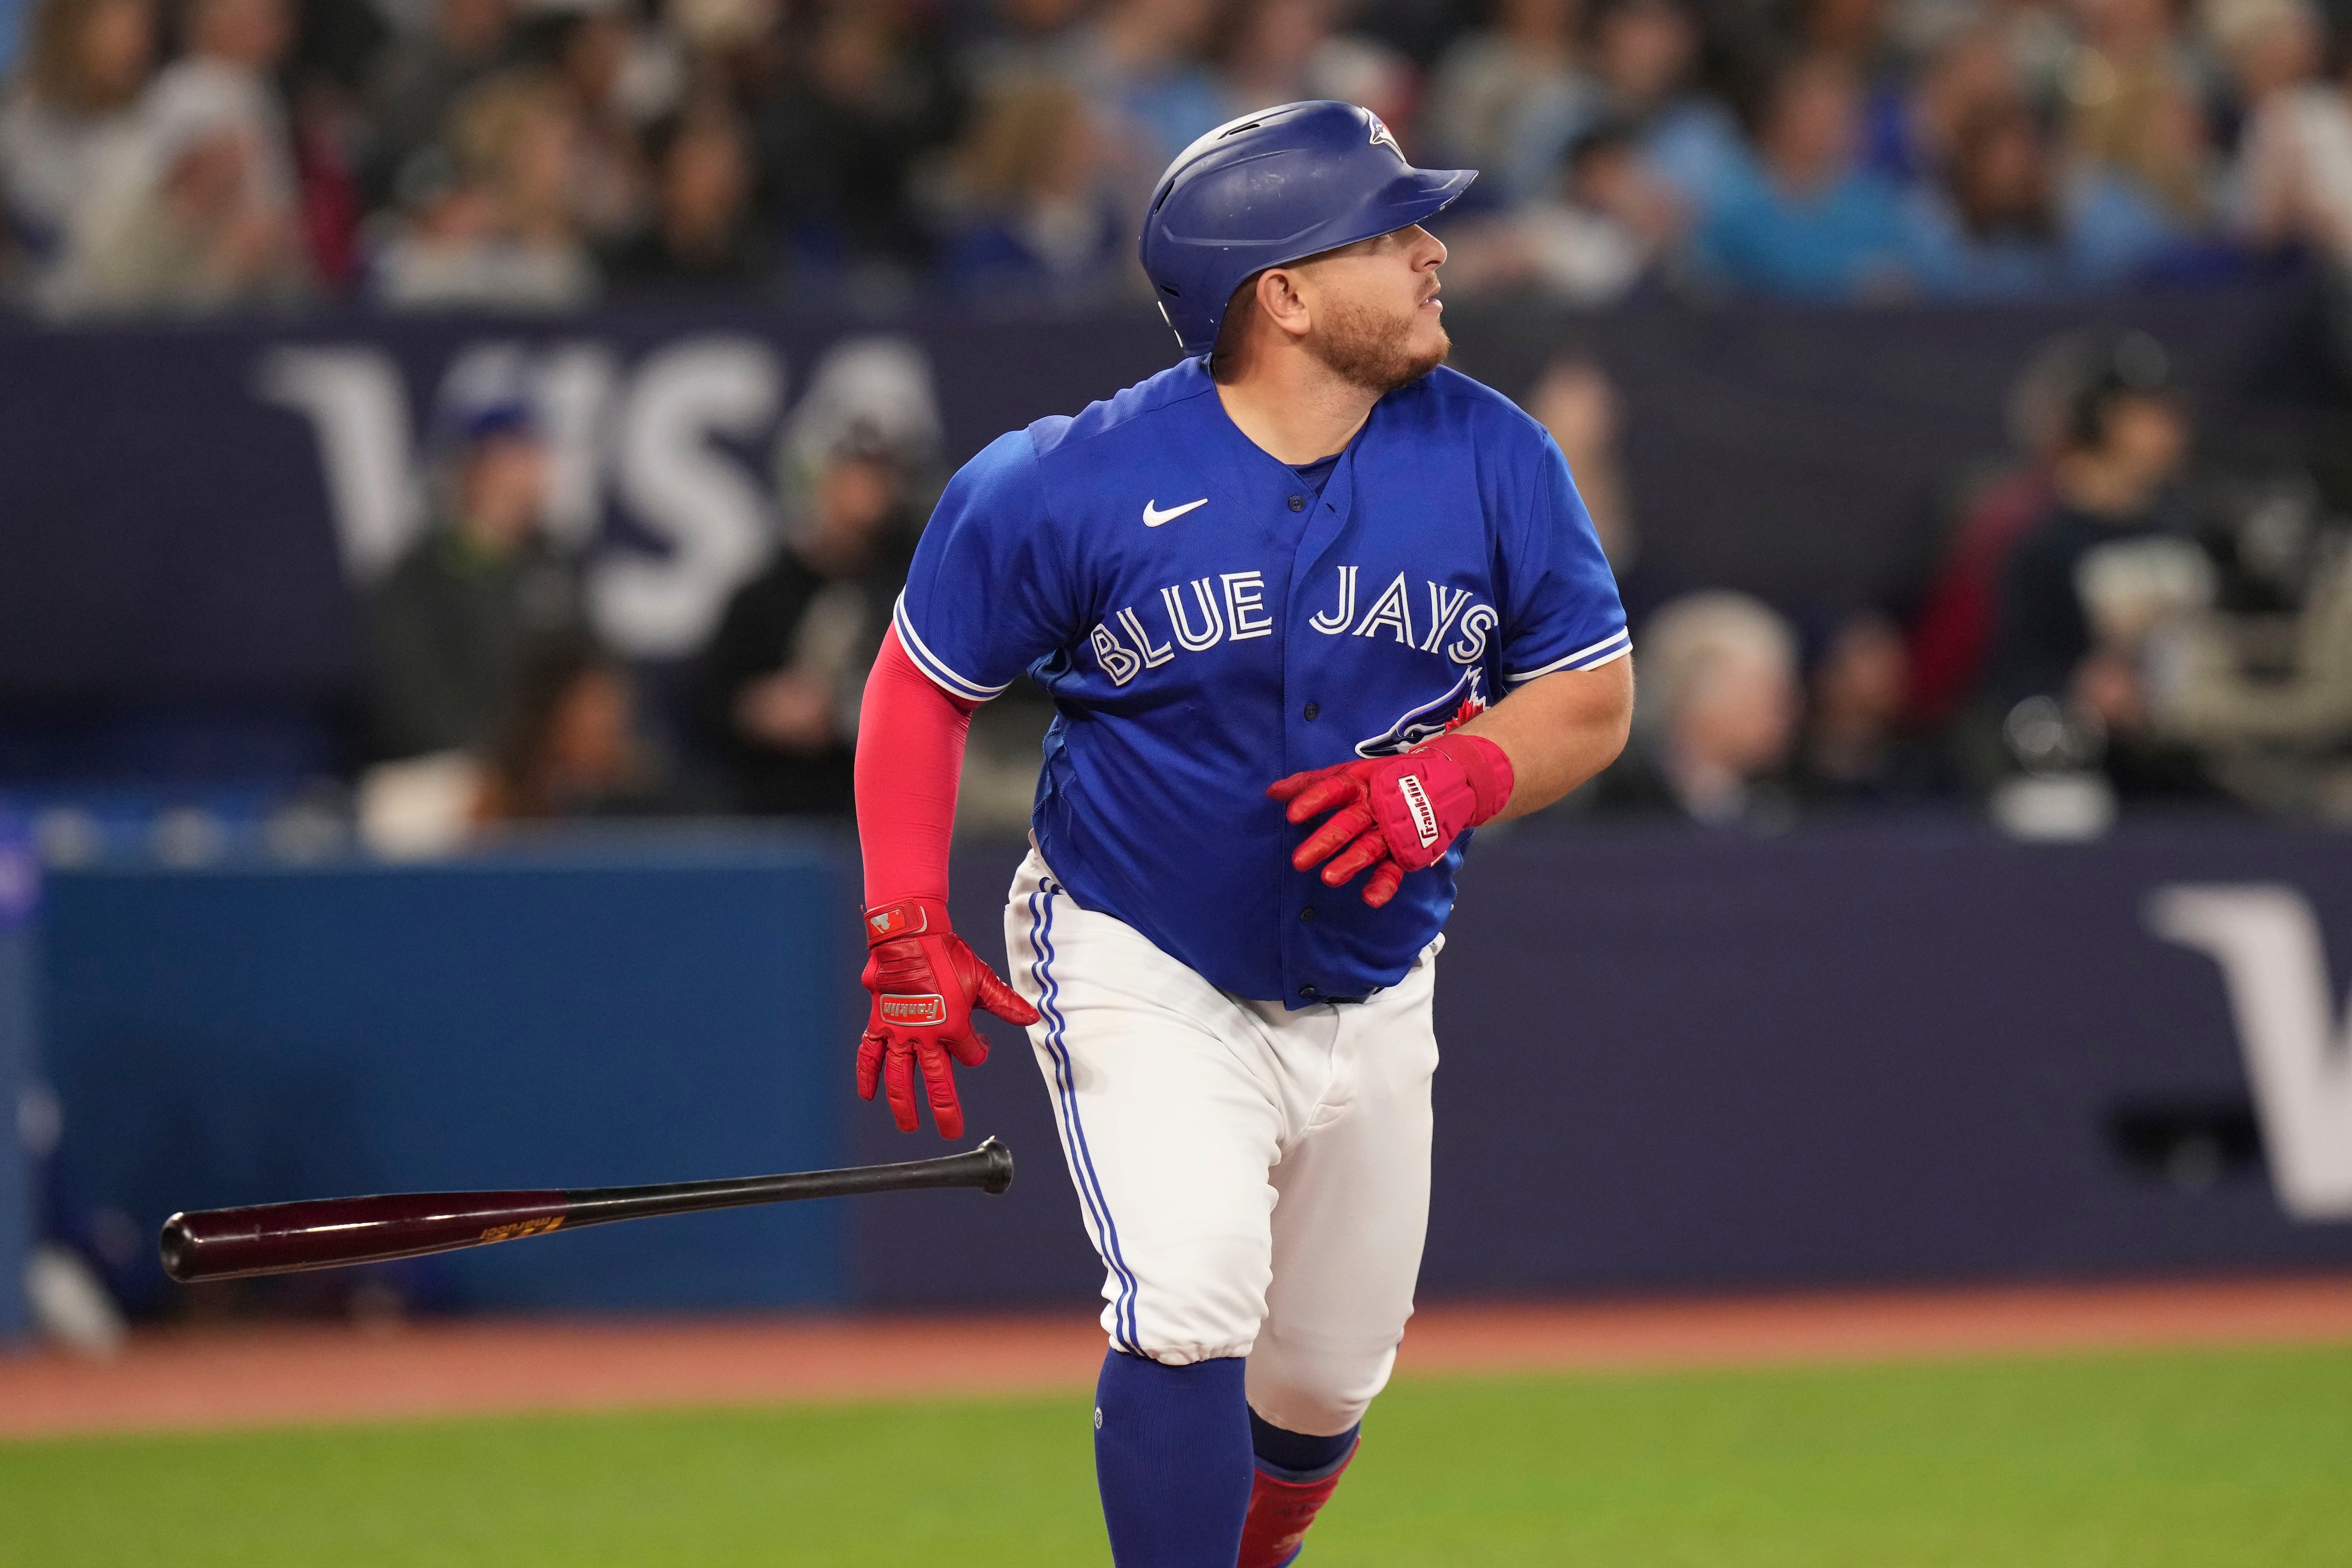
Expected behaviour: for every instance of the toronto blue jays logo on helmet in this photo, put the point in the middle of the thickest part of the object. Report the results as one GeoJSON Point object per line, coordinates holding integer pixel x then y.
{"type": "Point", "coordinates": [1464, 700]}
{"type": "Point", "coordinates": [1381, 135]}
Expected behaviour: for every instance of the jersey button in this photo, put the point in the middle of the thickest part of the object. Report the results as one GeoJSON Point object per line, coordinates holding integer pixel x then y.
{"type": "Point", "coordinates": [1308, 913]}
{"type": "Point", "coordinates": [1312, 708]}
{"type": "Point", "coordinates": [1307, 991]}
{"type": "Point", "coordinates": [1298, 503]}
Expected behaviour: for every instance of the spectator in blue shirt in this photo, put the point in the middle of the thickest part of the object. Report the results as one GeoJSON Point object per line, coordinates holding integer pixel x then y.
{"type": "Point", "coordinates": [1801, 218]}
{"type": "Point", "coordinates": [1036, 220]}
{"type": "Point", "coordinates": [1974, 69]}
{"type": "Point", "coordinates": [2004, 224]}
{"type": "Point", "coordinates": [1991, 230]}
{"type": "Point", "coordinates": [1640, 68]}
{"type": "Point", "coordinates": [1138, 63]}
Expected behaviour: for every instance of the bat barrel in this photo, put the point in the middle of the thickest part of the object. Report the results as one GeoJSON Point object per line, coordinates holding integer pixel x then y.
{"type": "Point", "coordinates": [277, 1238]}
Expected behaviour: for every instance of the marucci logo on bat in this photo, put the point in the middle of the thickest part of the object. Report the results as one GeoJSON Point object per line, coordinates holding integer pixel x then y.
{"type": "Point", "coordinates": [523, 1227]}
{"type": "Point", "coordinates": [931, 1009]}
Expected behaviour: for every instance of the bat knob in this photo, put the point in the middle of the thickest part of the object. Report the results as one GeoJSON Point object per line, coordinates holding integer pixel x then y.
{"type": "Point", "coordinates": [999, 1170]}
{"type": "Point", "coordinates": [176, 1246]}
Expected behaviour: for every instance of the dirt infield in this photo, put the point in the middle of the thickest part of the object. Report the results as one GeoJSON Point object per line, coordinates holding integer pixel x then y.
{"type": "Point", "coordinates": [279, 1375]}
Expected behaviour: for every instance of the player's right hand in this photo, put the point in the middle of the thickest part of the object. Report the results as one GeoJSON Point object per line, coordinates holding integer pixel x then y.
{"type": "Point", "coordinates": [925, 983]}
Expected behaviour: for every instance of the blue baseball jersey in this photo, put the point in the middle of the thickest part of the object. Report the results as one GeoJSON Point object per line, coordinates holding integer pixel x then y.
{"type": "Point", "coordinates": [1207, 625]}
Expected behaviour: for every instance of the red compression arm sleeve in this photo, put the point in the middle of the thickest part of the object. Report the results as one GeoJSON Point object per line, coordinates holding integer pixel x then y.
{"type": "Point", "coordinates": [910, 736]}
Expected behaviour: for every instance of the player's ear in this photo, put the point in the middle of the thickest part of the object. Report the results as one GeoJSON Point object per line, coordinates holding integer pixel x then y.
{"type": "Point", "coordinates": [1280, 296]}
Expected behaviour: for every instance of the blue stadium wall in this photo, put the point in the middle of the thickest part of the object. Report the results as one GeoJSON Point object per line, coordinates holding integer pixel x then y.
{"type": "Point", "coordinates": [20, 895]}
{"type": "Point", "coordinates": [1875, 1054]}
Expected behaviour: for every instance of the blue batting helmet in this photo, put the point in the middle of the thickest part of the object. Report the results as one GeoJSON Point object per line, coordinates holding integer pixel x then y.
{"type": "Point", "coordinates": [1274, 188]}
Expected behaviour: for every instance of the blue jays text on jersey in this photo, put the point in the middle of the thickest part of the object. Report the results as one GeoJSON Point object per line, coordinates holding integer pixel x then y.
{"type": "Point", "coordinates": [1206, 626]}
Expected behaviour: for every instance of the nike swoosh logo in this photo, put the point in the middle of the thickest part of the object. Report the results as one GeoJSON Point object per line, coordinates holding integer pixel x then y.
{"type": "Point", "coordinates": [1153, 517]}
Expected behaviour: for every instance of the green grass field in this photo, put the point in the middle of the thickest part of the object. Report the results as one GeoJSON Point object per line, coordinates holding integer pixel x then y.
{"type": "Point", "coordinates": [2142, 1461]}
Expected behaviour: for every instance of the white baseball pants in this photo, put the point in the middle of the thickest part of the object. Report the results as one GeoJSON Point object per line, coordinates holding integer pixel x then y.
{"type": "Point", "coordinates": [1255, 1181]}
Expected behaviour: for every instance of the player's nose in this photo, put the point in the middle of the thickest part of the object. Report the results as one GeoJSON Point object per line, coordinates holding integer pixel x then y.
{"type": "Point", "coordinates": [1429, 251]}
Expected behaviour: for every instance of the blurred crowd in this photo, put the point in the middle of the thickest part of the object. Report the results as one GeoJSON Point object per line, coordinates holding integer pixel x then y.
{"type": "Point", "coordinates": [492, 699]}
{"type": "Point", "coordinates": [2106, 623]}
{"type": "Point", "coordinates": [535, 155]}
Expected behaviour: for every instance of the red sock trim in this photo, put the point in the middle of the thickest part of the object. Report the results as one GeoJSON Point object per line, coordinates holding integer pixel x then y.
{"type": "Point", "coordinates": [1280, 1513]}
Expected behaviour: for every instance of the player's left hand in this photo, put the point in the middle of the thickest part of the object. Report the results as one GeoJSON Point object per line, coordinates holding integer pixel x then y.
{"type": "Point", "coordinates": [926, 983]}
{"type": "Point", "coordinates": [1394, 815]}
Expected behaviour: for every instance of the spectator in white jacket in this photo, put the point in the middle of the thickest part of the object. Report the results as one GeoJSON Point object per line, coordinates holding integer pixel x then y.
{"type": "Point", "coordinates": [205, 216]}
{"type": "Point", "coordinates": [71, 118]}
{"type": "Point", "coordinates": [2294, 184]}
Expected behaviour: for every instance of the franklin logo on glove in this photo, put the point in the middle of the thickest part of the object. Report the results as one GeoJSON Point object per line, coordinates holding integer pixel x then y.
{"type": "Point", "coordinates": [914, 1009]}
{"type": "Point", "coordinates": [926, 984]}
{"type": "Point", "coordinates": [1416, 803]}
{"type": "Point", "coordinates": [1440, 792]}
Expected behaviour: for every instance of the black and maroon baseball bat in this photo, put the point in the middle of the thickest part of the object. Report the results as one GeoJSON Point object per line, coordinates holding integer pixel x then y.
{"type": "Point", "coordinates": [327, 1233]}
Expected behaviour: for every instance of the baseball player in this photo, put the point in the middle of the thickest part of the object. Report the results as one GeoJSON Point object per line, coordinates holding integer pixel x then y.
{"type": "Point", "coordinates": [1310, 608]}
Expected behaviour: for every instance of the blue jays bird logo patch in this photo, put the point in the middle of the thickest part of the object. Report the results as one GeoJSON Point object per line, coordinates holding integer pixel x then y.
{"type": "Point", "coordinates": [1463, 701]}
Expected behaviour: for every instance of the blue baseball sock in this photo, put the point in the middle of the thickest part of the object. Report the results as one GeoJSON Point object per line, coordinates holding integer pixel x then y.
{"type": "Point", "coordinates": [1172, 1458]}
{"type": "Point", "coordinates": [1294, 1456]}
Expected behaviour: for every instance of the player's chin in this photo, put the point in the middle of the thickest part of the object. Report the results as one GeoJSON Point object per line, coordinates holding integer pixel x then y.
{"type": "Point", "coordinates": [1427, 345]}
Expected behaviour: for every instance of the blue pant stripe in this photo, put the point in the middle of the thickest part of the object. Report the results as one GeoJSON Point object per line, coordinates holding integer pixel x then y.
{"type": "Point", "coordinates": [1061, 1074]}
{"type": "Point", "coordinates": [1124, 1309]}
{"type": "Point", "coordinates": [1089, 1185]}
{"type": "Point", "coordinates": [1090, 1193]}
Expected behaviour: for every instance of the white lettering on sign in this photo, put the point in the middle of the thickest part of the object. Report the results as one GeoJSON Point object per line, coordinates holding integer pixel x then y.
{"type": "Point", "coordinates": [666, 439]}
{"type": "Point", "coordinates": [699, 502]}
{"type": "Point", "coordinates": [358, 411]}
{"type": "Point", "coordinates": [2266, 938]}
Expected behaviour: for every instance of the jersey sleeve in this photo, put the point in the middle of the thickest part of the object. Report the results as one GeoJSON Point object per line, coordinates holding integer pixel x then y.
{"type": "Point", "coordinates": [989, 593]}
{"type": "Point", "coordinates": [1563, 610]}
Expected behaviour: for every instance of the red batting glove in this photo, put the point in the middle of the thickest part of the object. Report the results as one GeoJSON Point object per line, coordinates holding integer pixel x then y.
{"type": "Point", "coordinates": [1394, 815]}
{"type": "Point", "coordinates": [925, 983]}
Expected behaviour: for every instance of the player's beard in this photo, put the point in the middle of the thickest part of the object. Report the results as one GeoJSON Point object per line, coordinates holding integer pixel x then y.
{"type": "Point", "coordinates": [1368, 348]}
